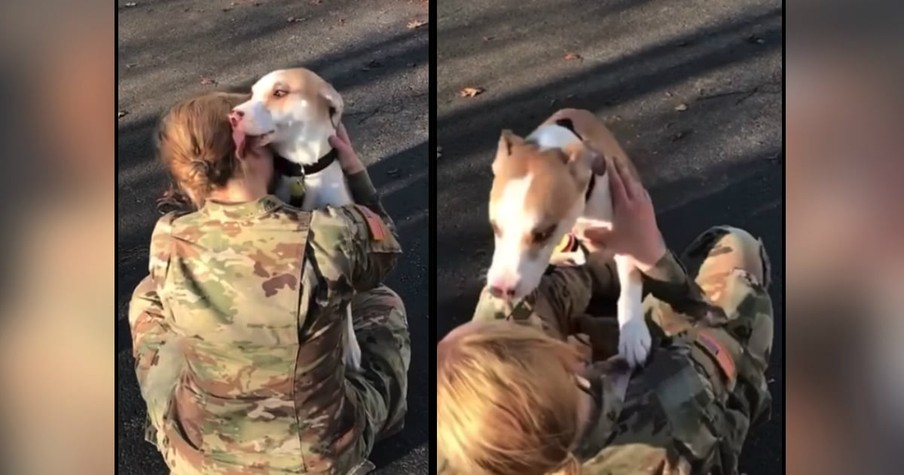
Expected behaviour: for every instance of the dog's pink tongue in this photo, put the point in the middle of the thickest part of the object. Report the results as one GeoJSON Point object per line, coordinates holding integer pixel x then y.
{"type": "Point", "coordinates": [240, 140]}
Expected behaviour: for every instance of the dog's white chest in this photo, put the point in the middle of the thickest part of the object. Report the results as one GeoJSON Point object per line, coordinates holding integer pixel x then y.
{"type": "Point", "coordinates": [326, 188]}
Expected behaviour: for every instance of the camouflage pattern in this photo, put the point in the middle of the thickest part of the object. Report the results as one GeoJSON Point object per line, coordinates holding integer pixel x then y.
{"type": "Point", "coordinates": [255, 295]}
{"type": "Point", "coordinates": [689, 410]}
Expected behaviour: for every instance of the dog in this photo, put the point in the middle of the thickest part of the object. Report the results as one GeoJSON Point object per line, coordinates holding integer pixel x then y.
{"type": "Point", "coordinates": [295, 111]}
{"type": "Point", "coordinates": [545, 186]}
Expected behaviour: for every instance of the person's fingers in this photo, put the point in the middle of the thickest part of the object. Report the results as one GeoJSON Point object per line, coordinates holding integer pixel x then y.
{"type": "Point", "coordinates": [629, 184]}
{"type": "Point", "coordinates": [616, 186]}
{"type": "Point", "coordinates": [343, 133]}
{"type": "Point", "coordinates": [339, 144]}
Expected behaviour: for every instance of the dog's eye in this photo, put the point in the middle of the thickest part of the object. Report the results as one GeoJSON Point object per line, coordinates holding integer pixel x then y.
{"type": "Point", "coordinates": [280, 93]}
{"type": "Point", "coordinates": [496, 230]}
{"type": "Point", "coordinates": [540, 236]}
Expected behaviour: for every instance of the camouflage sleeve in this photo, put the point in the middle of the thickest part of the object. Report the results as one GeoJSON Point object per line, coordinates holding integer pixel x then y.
{"type": "Point", "coordinates": [354, 241]}
{"type": "Point", "coordinates": [146, 312]}
{"type": "Point", "coordinates": [149, 328]}
{"type": "Point", "coordinates": [668, 281]}
{"type": "Point", "coordinates": [364, 193]}
{"type": "Point", "coordinates": [554, 307]}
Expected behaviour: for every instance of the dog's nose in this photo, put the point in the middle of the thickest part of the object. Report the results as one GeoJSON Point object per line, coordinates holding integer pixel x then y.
{"type": "Point", "coordinates": [502, 292]}
{"type": "Point", "coordinates": [235, 116]}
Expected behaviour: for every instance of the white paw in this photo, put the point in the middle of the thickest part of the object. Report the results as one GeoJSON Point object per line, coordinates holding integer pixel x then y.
{"type": "Point", "coordinates": [634, 342]}
{"type": "Point", "coordinates": [353, 355]}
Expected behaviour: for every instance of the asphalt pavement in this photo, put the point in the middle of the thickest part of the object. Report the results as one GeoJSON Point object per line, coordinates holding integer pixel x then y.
{"type": "Point", "coordinates": [692, 88]}
{"type": "Point", "coordinates": [376, 55]}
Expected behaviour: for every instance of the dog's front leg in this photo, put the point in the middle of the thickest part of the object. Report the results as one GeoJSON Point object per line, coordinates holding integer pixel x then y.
{"type": "Point", "coordinates": [634, 337]}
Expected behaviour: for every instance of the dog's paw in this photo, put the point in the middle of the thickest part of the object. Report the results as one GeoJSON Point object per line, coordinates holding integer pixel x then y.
{"type": "Point", "coordinates": [353, 356]}
{"type": "Point", "coordinates": [634, 342]}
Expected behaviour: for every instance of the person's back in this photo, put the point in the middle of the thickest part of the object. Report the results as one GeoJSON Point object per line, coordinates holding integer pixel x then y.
{"type": "Point", "coordinates": [260, 323]}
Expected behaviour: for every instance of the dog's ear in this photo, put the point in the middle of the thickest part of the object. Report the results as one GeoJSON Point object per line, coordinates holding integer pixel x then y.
{"type": "Point", "coordinates": [507, 140]}
{"type": "Point", "coordinates": [337, 106]}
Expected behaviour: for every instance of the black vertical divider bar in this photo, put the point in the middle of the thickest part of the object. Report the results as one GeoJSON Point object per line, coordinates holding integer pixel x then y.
{"type": "Point", "coordinates": [784, 260]}
{"type": "Point", "coordinates": [431, 274]}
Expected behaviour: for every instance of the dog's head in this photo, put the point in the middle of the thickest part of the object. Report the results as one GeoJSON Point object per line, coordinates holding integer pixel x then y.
{"type": "Point", "coordinates": [537, 197]}
{"type": "Point", "coordinates": [296, 108]}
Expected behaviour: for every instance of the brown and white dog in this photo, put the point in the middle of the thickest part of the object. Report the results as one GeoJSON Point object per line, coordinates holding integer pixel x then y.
{"type": "Point", "coordinates": [295, 111]}
{"type": "Point", "coordinates": [548, 184]}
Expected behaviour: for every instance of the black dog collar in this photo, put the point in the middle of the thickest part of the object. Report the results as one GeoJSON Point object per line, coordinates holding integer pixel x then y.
{"type": "Point", "coordinates": [288, 168]}
{"type": "Point", "coordinates": [568, 124]}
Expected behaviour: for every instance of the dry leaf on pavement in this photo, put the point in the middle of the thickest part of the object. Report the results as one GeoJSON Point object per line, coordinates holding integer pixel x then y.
{"type": "Point", "coordinates": [415, 24]}
{"type": "Point", "coordinates": [471, 91]}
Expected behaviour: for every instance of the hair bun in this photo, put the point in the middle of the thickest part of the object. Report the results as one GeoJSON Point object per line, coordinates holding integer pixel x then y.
{"type": "Point", "coordinates": [200, 167]}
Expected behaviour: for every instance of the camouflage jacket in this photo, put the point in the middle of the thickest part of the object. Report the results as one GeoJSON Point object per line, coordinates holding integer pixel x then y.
{"type": "Point", "coordinates": [688, 411]}
{"type": "Point", "coordinates": [253, 294]}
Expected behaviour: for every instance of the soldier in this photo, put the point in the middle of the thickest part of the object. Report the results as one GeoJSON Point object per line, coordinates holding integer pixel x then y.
{"type": "Point", "coordinates": [518, 399]}
{"type": "Point", "coordinates": [237, 330]}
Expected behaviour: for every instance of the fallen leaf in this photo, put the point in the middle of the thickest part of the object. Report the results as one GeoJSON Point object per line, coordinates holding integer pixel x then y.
{"type": "Point", "coordinates": [415, 24]}
{"type": "Point", "coordinates": [121, 114]}
{"type": "Point", "coordinates": [131, 65]}
{"type": "Point", "coordinates": [573, 57]}
{"type": "Point", "coordinates": [681, 107]}
{"type": "Point", "coordinates": [293, 19]}
{"type": "Point", "coordinates": [471, 91]}
{"type": "Point", "coordinates": [488, 38]}
{"type": "Point", "coordinates": [208, 82]}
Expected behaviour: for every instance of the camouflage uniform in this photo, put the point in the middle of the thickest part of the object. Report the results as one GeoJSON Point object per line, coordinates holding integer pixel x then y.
{"type": "Point", "coordinates": [689, 410]}
{"type": "Point", "coordinates": [254, 294]}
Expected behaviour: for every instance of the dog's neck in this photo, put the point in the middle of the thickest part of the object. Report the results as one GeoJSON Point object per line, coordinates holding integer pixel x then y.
{"type": "Point", "coordinates": [305, 143]}
{"type": "Point", "coordinates": [289, 167]}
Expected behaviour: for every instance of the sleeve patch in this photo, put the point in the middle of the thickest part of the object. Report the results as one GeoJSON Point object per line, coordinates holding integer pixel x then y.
{"type": "Point", "coordinates": [374, 223]}
{"type": "Point", "coordinates": [719, 354]}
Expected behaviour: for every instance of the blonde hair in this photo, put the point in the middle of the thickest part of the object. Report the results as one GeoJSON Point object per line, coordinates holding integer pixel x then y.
{"type": "Point", "coordinates": [194, 142]}
{"type": "Point", "coordinates": [507, 401]}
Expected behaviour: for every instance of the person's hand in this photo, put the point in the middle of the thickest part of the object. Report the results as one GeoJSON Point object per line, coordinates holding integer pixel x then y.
{"type": "Point", "coordinates": [348, 159]}
{"type": "Point", "coordinates": [634, 229]}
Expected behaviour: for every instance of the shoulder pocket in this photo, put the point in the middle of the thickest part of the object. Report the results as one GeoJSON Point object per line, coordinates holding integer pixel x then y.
{"type": "Point", "coordinates": [377, 235]}
{"type": "Point", "coordinates": [161, 247]}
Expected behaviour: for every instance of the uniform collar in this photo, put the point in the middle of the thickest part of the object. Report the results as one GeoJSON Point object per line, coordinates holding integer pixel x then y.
{"type": "Point", "coordinates": [246, 210]}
